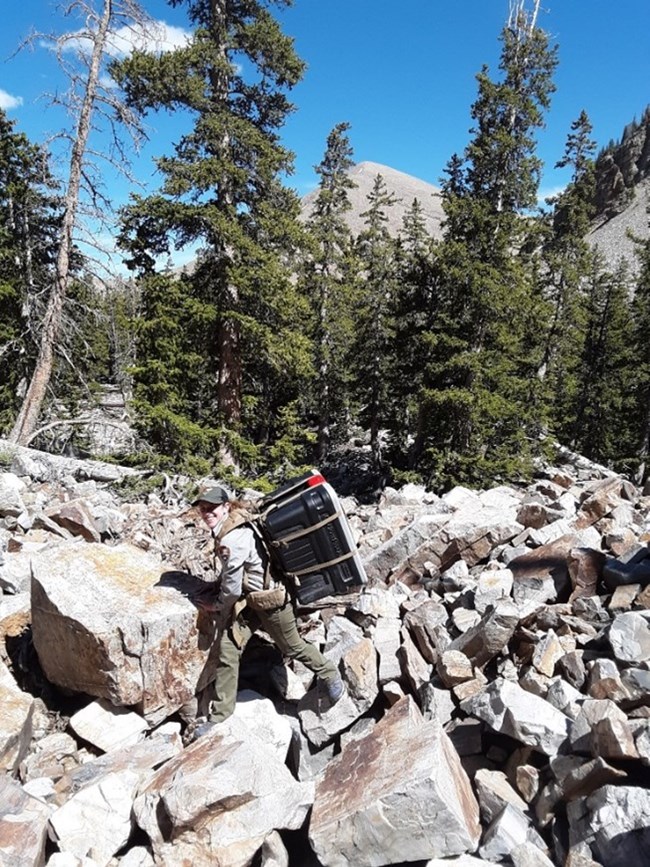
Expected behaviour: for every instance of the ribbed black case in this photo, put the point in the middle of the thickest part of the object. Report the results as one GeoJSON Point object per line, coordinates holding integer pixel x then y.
{"type": "Point", "coordinates": [311, 539]}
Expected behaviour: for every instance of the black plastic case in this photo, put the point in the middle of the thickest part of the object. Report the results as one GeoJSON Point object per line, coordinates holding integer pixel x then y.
{"type": "Point", "coordinates": [311, 539]}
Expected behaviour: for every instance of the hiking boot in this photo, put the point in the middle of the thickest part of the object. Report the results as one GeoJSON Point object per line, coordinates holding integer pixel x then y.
{"type": "Point", "coordinates": [198, 729]}
{"type": "Point", "coordinates": [335, 690]}
{"type": "Point", "coordinates": [204, 728]}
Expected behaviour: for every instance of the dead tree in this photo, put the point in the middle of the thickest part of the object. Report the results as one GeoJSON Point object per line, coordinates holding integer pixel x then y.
{"type": "Point", "coordinates": [87, 100]}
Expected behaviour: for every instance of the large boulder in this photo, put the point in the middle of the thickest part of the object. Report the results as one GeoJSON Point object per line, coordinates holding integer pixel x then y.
{"type": "Point", "coordinates": [119, 632]}
{"type": "Point", "coordinates": [612, 825]}
{"type": "Point", "coordinates": [16, 713]}
{"type": "Point", "coordinates": [23, 826]}
{"type": "Point", "coordinates": [96, 820]}
{"type": "Point", "coordinates": [219, 800]}
{"type": "Point", "coordinates": [372, 810]}
{"type": "Point", "coordinates": [511, 710]}
{"type": "Point", "coordinates": [11, 490]}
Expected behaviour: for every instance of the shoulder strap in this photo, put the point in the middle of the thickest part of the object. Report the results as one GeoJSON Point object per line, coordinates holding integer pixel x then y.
{"type": "Point", "coordinates": [234, 519]}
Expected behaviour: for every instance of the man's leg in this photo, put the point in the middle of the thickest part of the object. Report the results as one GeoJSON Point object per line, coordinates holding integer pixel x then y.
{"type": "Point", "coordinates": [282, 627]}
{"type": "Point", "coordinates": [231, 647]}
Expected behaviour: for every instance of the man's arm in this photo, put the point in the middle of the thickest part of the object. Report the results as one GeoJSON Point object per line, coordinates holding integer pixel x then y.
{"type": "Point", "coordinates": [232, 552]}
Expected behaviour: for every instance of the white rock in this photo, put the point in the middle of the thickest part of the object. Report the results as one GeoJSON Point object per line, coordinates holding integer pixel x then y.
{"type": "Point", "coordinates": [139, 856]}
{"type": "Point", "coordinates": [615, 822]}
{"type": "Point", "coordinates": [219, 799]}
{"type": "Point", "coordinates": [565, 697]}
{"type": "Point", "coordinates": [96, 822]}
{"type": "Point", "coordinates": [376, 602]}
{"type": "Point", "coordinates": [41, 788]}
{"type": "Point", "coordinates": [108, 727]}
{"type": "Point", "coordinates": [508, 708]}
{"type": "Point", "coordinates": [120, 635]}
{"type": "Point", "coordinates": [371, 810]}
{"type": "Point", "coordinates": [461, 861]}
{"type": "Point", "coordinates": [319, 719]}
{"type": "Point", "coordinates": [501, 497]}
{"type": "Point", "coordinates": [396, 551]}
{"type": "Point", "coordinates": [67, 859]}
{"type": "Point", "coordinates": [461, 497]}
{"type": "Point", "coordinates": [387, 640]}
{"type": "Point", "coordinates": [529, 855]}
{"type": "Point", "coordinates": [494, 793]}
{"type": "Point", "coordinates": [342, 635]}
{"type": "Point", "coordinates": [11, 490]}
{"type": "Point", "coordinates": [629, 636]}
{"type": "Point", "coordinates": [493, 584]}
{"type": "Point", "coordinates": [274, 852]}
{"type": "Point", "coordinates": [287, 682]}
{"type": "Point", "coordinates": [23, 826]}
{"type": "Point", "coordinates": [510, 829]}
{"type": "Point", "coordinates": [17, 708]}
{"type": "Point", "coordinates": [260, 716]}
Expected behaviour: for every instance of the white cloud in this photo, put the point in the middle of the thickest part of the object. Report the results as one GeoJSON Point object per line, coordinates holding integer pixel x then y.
{"type": "Point", "coordinates": [156, 37]}
{"type": "Point", "coordinates": [549, 193]}
{"type": "Point", "coordinates": [7, 101]}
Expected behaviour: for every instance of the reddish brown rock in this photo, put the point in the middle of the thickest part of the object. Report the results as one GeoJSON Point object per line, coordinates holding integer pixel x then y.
{"type": "Point", "coordinates": [586, 569]}
{"type": "Point", "coordinates": [76, 517]}
{"type": "Point", "coordinates": [372, 810]}
{"type": "Point", "coordinates": [120, 632]}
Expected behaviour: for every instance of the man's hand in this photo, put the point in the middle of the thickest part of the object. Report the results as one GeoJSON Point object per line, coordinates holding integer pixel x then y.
{"type": "Point", "coordinates": [207, 600]}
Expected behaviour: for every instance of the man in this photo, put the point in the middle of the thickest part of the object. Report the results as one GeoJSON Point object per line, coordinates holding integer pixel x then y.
{"type": "Point", "coordinates": [246, 599]}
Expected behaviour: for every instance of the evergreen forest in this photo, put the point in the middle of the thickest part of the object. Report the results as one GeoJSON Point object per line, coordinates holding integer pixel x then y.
{"type": "Point", "coordinates": [455, 360]}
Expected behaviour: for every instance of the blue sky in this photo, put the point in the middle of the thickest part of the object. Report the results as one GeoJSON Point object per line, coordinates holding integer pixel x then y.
{"type": "Point", "coordinates": [401, 73]}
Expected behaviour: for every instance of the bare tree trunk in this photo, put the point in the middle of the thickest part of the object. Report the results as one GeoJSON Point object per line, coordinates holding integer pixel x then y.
{"type": "Point", "coordinates": [644, 446]}
{"type": "Point", "coordinates": [324, 419]}
{"type": "Point", "coordinates": [33, 400]}
{"type": "Point", "coordinates": [229, 377]}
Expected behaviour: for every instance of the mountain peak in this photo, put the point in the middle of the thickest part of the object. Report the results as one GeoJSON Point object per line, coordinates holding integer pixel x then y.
{"type": "Point", "coordinates": [404, 187]}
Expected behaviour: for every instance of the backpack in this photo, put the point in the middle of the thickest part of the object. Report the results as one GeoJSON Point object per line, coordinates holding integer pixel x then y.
{"type": "Point", "coordinates": [310, 543]}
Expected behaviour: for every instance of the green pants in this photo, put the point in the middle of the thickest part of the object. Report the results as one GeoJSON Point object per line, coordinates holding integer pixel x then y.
{"type": "Point", "coordinates": [280, 624]}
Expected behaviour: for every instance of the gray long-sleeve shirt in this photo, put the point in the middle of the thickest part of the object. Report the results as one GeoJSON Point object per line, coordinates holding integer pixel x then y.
{"type": "Point", "coordinates": [242, 556]}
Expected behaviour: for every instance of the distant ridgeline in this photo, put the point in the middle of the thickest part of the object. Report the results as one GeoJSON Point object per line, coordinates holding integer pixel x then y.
{"type": "Point", "coordinates": [621, 166]}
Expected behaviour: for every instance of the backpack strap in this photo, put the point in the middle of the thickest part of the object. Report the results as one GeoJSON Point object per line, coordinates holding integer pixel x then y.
{"type": "Point", "coordinates": [298, 534]}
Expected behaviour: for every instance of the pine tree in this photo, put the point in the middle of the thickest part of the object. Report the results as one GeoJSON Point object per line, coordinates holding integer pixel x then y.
{"type": "Point", "coordinates": [641, 361]}
{"type": "Point", "coordinates": [371, 352]}
{"type": "Point", "coordinates": [477, 399]}
{"type": "Point", "coordinates": [566, 264]}
{"type": "Point", "coordinates": [170, 370]}
{"type": "Point", "coordinates": [413, 311]}
{"type": "Point", "coordinates": [29, 219]}
{"type": "Point", "coordinates": [601, 428]}
{"type": "Point", "coordinates": [327, 275]}
{"type": "Point", "coordinates": [223, 191]}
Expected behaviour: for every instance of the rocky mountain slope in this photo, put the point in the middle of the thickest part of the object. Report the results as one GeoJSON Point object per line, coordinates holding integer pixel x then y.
{"type": "Point", "coordinates": [404, 187]}
{"type": "Point", "coordinates": [623, 196]}
{"type": "Point", "coordinates": [497, 667]}
{"type": "Point", "coordinates": [612, 235]}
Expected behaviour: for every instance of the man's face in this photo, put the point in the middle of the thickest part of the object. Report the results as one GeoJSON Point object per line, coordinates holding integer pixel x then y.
{"type": "Point", "coordinates": [213, 515]}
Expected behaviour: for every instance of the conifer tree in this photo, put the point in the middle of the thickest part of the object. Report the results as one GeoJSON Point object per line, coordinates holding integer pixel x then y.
{"type": "Point", "coordinates": [477, 400]}
{"type": "Point", "coordinates": [327, 273]}
{"type": "Point", "coordinates": [641, 361]}
{"type": "Point", "coordinates": [413, 312]}
{"type": "Point", "coordinates": [566, 264]}
{"type": "Point", "coordinates": [223, 191]}
{"type": "Point", "coordinates": [601, 428]}
{"type": "Point", "coordinates": [29, 217]}
{"type": "Point", "coordinates": [371, 352]}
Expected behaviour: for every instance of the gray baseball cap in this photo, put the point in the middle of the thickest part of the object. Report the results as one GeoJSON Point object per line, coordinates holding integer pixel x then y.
{"type": "Point", "coordinates": [216, 496]}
